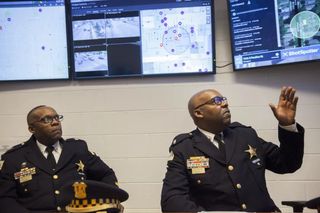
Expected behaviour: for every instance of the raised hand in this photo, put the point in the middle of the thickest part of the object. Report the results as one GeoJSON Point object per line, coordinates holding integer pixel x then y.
{"type": "Point", "coordinates": [285, 111]}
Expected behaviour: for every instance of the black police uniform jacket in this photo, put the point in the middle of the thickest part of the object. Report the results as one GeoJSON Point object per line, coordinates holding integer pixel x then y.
{"type": "Point", "coordinates": [234, 183]}
{"type": "Point", "coordinates": [41, 191]}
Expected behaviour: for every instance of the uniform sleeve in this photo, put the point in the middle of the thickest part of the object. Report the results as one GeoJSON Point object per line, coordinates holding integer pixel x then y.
{"type": "Point", "coordinates": [175, 195]}
{"type": "Point", "coordinates": [288, 157]}
{"type": "Point", "coordinates": [8, 193]}
{"type": "Point", "coordinates": [98, 170]}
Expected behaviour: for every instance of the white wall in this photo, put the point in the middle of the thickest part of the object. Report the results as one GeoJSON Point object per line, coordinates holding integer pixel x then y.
{"type": "Point", "coordinates": [130, 122]}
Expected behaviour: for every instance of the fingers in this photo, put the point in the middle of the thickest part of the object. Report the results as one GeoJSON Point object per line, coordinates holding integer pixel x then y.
{"type": "Point", "coordinates": [288, 94]}
{"type": "Point", "coordinates": [295, 101]}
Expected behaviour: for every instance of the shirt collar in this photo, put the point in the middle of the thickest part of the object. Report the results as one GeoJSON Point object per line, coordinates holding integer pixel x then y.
{"type": "Point", "coordinates": [56, 147]}
{"type": "Point", "coordinates": [209, 135]}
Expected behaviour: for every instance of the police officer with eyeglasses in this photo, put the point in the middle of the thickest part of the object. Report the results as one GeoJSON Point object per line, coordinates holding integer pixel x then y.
{"type": "Point", "coordinates": [33, 173]}
{"type": "Point", "coordinates": [220, 166]}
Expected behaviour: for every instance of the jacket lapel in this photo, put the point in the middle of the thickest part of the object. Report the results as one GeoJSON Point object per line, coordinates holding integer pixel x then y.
{"type": "Point", "coordinates": [202, 143]}
{"type": "Point", "coordinates": [230, 144]}
{"type": "Point", "coordinates": [35, 156]}
{"type": "Point", "coordinates": [66, 154]}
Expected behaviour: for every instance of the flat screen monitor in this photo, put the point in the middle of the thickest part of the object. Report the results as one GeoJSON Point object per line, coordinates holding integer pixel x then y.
{"type": "Point", "coordinates": [113, 38]}
{"type": "Point", "coordinates": [33, 41]}
{"type": "Point", "coordinates": [272, 32]}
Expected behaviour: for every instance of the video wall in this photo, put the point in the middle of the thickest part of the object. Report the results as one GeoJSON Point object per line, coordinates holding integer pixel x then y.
{"type": "Point", "coordinates": [85, 39]}
{"type": "Point", "coordinates": [81, 39]}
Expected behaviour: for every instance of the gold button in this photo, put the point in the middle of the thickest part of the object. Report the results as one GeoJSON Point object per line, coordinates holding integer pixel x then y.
{"type": "Point", "coordinates": [25, 190]}
{"type": "Point", "coordinates": [57, 192]}
{"type": "Point", "coordinates": [230, 168]}
{"type": "Point", "coordinates": [198, 181]}
{"type": "Point", "coordinates": [55, 177]}
{"type": "Point", "coordinates": [243, 206]}
{"type": "Point", "coordinates": [59, 208]}
{"type": "Point", "coordinates": [238, 186]}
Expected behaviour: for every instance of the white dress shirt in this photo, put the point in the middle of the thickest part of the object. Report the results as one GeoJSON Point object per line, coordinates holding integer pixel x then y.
{"type": "Point", "coordinates": [57, 149]}
{"type": "Point", "coordinates": [210, 136]}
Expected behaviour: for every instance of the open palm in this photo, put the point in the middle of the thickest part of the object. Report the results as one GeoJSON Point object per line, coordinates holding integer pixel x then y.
{"type": "Point", "coordinates": [285, 111]}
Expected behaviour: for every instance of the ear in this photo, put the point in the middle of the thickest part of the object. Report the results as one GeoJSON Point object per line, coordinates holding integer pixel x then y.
{"type": "Point", "coordinates": [197, 113]}
{"type": "Point", "coordinates": [31, 129]}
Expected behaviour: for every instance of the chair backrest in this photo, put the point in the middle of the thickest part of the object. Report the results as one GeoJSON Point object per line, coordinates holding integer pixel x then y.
{"type": "Point", "coordinates": [299, 205]}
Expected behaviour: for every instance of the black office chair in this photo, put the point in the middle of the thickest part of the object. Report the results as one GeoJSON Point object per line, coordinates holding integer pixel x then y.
{"type": "Point", "coordinates": [299, 205]}
{"type": "Point", "coordinates": [314, 204]}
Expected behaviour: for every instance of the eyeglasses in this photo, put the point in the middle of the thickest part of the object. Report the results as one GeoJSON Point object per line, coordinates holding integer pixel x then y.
{"type": "Point", "coordinates": [50, 119]}
{"type": "Point", "coordinates": [217, 100]}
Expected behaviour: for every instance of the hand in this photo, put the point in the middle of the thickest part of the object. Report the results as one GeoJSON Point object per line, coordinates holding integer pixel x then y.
{"type": "Point", "coordinates": [285, 112]}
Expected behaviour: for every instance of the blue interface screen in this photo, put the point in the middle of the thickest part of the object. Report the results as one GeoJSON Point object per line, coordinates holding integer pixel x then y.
{"type": "Point", "coordinates": [270, 32]}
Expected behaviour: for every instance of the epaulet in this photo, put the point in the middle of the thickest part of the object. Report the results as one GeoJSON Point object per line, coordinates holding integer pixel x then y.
{"type": "Point", "coordinates": [237, 124]}
{"type": "Point", "coordinates": [14, 148]}
{"type": "Point", "coordinates": [180, 138]}
{"type": "Point", "coordinates": [72, 139]}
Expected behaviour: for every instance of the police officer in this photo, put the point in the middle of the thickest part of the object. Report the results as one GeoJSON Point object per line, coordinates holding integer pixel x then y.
{"type": "Point", "coordinates": [221, 166]}
{"type": "Point", "coordinates": [34, 172]}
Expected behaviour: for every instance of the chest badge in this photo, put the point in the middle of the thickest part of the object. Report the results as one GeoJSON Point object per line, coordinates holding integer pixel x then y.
{"type": "Point", "coordinates": [252, 151]}
{"type": "Point", "coordinates": [198, 164]}
{"type": "Point", "coordinates": [80, 166]}
{"type": "Point", "coordinates": [25, 174]}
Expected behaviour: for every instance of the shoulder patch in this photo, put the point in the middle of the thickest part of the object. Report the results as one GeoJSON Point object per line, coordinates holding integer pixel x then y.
{"type": "Point", "coordinates": [73, 140]}
{"type": "Point", "coordinates": [180, 138]}
{"type": "Point", "coordinates": [14, 148]}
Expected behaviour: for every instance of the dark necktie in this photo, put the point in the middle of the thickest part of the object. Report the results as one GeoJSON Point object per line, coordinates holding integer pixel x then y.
{"type": "Point", "coordinates": [222, 149]}
{"type": "Point", "coordinates": [50, 158]}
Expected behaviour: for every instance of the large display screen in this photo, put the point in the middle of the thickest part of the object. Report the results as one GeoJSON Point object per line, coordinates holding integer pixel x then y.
{"type": "Point", "coordinates": [33, 40]}
{"type": "Point", "coordinates": [270, 32]}
{"type": "Point", "coordinates": [113, 38]}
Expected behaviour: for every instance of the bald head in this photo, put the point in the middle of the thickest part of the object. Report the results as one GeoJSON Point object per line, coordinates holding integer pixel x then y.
{"type": "Point", "coordinates": [46, 132]}
{"type": "Point", "coordinates": [208, 115]}
{"type": "Point", "coordinates": [32, 116]}
{"type": "Point", "coordinates": [200, 98]}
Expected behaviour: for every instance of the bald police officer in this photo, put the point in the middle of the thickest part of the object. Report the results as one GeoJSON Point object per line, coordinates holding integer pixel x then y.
{"type": "Point", "coordinates": [221, 166]}
{"type": "Point", "coordinates": [34, 172]}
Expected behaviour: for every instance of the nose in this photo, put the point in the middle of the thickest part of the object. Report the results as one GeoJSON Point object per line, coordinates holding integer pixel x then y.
{"type": "Point", "coordinates": [55, 122]}
{"type": "Point", "coordinates": [224, 103]}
